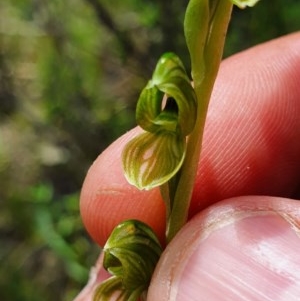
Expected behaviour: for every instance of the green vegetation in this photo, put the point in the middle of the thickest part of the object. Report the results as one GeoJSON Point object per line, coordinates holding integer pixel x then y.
{"type": "Point", "coordinates": [70, 75]}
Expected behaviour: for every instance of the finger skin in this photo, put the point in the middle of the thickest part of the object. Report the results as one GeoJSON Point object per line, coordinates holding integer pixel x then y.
{"type": "Point", "coordinates": [244, 248]}
{"type": "Point", "coordinates": [251, 144]}
{"type": "Point", "coordinates": [97, 275]}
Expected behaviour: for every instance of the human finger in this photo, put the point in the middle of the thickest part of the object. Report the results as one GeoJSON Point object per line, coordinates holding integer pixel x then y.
{"type": "Point", "coordinates": [251, 144]}
{"type": "Point", "coordinates": [245, 248]}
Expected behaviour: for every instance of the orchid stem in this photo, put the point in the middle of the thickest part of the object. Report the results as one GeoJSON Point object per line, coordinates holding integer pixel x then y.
{"type": "Point", "coordinates": [203, 85]}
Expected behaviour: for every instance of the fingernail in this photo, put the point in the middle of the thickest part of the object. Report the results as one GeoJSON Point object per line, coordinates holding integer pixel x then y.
{"type": "Point", "coordinates": [254, 258]}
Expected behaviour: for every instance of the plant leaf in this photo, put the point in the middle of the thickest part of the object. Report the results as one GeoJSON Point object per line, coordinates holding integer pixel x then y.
{"type": "Point", "coordinates": [196, 25]}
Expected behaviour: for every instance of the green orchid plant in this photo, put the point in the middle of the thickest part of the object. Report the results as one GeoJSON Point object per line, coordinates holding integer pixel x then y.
{"type": "Point", "coordinates": [171, 110]}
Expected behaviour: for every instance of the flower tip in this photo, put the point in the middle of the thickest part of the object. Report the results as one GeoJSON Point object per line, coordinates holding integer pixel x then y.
{"type": "Point", "coordinates": [139, 184]}
{"type": "Point", "coordinates": [244, 3]}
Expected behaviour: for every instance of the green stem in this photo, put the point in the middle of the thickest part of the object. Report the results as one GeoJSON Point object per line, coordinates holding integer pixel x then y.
{"type": "Point", "coordinates": [203, 86]}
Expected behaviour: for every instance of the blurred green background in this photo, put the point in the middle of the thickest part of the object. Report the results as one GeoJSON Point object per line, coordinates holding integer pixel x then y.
{"type": "Point", "coordinates": [70, 75]}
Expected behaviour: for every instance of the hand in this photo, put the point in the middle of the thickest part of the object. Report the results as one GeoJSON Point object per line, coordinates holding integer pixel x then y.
{"type": "Point", "coordinates": [237, 246]}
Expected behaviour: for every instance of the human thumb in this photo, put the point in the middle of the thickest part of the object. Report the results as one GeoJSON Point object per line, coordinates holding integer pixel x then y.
{"type": "Point", "coordinates": [246, 248]}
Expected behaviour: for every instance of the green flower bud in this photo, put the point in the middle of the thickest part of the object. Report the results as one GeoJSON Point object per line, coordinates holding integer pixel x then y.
{"type": "Point", "coordinates": [153, 157]}
{"type": "Point", "coordinates": [130, 255]}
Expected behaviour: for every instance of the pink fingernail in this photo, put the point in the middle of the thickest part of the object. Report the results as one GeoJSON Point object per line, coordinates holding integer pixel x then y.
{"type": "Point", "coordinates": [255, 258]}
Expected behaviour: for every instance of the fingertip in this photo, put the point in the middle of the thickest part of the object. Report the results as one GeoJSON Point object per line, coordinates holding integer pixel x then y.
{"type": "Point", "coordinates": [251, 144]}
{"type": "Point", "coordinates": [244, 248]}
